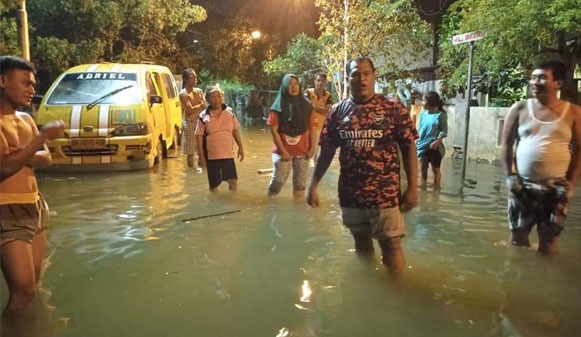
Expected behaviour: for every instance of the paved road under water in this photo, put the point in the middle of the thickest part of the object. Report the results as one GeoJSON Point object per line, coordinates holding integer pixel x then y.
{"type": "Point", "coordinates": [122, 262]}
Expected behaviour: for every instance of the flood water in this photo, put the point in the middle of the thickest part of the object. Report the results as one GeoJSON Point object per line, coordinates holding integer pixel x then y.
{"type": "Point", "coordinates": [122, 261]}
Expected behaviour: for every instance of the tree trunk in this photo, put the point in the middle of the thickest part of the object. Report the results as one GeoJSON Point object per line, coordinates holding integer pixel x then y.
{"type": "Point", "coordinates": [435, 47]}
{"type": "Point", "coordinates": [569, 88]}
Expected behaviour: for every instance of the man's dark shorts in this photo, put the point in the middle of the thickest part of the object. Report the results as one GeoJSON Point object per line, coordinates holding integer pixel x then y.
{"type": "Point", "coordinates": [220, 170]}
{"type": "Point", "coordinates": [23, 221]}
{"type": "Point", "coordinates": [543, 204]}
{"type": "Point", "coordinates": [433, 157]}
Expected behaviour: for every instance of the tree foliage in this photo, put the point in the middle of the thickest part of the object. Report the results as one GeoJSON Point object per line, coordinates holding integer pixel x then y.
{"type": "Point", "coordinates": [222, 46]}
{"type": "Point", "coordinates": [303, 58]}
{"type": "Point", "coordinates": [389, 31]}
{"type": "Point", "coordinates": [69, 32]}
{"type": "Point", "coordinates": [519, 33]}
{"type": "Point", "coordinates": [8, 28]}
{"type": "Point", "coordinates": [228, 50]}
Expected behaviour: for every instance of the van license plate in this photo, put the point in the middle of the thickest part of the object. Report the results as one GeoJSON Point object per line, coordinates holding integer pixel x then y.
{"type": "Point", "coordinates": [88, 144]}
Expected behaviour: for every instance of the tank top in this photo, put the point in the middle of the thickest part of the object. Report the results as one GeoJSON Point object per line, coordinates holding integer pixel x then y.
{"type": "Point", "coordinates": [320, 102]}
{"type": "Point", "coordinates": [543, 150]}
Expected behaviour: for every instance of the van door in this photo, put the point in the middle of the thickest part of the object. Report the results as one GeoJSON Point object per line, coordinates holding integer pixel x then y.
{"type": "Point", "coordinates": [157, 109]}
{"type": "Point", "coordinates": [172, 107]}
{"type": "Point", "coordinates": [175, 105]}
{"type": "Point", "coordinates": [166, 108]}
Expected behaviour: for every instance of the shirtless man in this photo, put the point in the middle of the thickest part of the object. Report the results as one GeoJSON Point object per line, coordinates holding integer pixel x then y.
{"type": "Point", "coordinates": [543, 174]}
{"type": "Point", "coordinates": [23, 211]}
{"type": "Point", "coordinates": [322, 102]}
{"type": "Point", "coordinates": [193, 103]}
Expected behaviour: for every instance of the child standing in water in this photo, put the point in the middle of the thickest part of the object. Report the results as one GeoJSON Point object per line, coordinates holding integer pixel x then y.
{"type": "Point", "coordinates": [433, 128]}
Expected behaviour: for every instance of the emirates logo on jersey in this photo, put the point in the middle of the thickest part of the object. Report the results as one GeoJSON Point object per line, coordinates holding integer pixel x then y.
{"type": "Point", "coordinates": [377, 118]}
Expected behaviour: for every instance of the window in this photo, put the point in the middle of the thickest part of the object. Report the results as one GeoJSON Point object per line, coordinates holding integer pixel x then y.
{"type": "Point", "coordinates": [169, 86]}
{"type": "Point", "coordinates": [104, 87]}
{"type": "Point", "coordinates": [151, 88]}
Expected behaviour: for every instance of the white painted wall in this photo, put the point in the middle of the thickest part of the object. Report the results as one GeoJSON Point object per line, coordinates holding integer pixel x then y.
{"type": "Point", "coordinates": [484, 132]}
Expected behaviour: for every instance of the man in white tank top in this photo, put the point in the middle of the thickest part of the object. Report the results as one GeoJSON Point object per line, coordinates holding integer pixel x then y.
{"type": "Point", "coordinates": [543, 172]}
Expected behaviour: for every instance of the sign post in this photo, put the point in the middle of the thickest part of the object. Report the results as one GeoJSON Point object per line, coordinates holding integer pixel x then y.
{"type": "Point", "coordinates": [457, 39]}
{"type": "Point", "coordinates": [23, 30]}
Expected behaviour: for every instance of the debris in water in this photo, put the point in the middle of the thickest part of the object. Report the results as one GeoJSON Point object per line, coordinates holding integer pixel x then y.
{"type": "Point", "coordinates": [210, 215]}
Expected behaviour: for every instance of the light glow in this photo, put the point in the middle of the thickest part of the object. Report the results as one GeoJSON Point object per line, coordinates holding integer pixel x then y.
{"type": "Point", "coordinates": [256, 34]}
{"type": "Point", "coordinates": [307, 292]}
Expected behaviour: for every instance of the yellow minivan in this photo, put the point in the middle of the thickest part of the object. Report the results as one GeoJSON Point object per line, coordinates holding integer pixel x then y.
{"type": "Point", "coordinates": [119, 116]}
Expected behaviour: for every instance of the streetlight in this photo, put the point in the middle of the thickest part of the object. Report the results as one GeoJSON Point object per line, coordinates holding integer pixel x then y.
{"type": "Point", "coordinates": [256, 34]}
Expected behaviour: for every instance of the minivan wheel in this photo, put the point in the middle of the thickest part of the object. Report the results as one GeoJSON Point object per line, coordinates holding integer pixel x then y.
{"type": "Point", "coordinates": [161, 151]}
{"type": "Point", "coordinates": [164, 149]}
{"type": "Point", "coordinates": [173, 151]}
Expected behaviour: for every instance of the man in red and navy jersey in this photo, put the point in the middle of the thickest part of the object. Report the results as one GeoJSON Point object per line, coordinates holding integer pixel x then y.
{"type": "Point", "coordinates": [368, 129]}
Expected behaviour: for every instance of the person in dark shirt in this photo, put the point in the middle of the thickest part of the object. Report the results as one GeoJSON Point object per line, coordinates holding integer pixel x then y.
{"type": "Point", "coordinates": [368, 129]}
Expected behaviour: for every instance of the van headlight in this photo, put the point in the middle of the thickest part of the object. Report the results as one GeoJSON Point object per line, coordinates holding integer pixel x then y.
{"type": "Point", "coordinates": [132, 130]}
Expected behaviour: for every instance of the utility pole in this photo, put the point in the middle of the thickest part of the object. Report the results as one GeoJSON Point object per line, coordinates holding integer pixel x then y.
{"type": "Point", "coordinates": [457, 39]}
{"type": "Point", "coordinates": [346, 54]}
{"type": "Point", "coordinates": [23, 30]}
{"type": "Point", "coordinates": [467, 115]}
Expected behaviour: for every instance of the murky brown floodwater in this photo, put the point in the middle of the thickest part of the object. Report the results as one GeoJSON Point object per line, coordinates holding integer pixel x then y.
{"type": "Point", "coordinates": [121, 262]}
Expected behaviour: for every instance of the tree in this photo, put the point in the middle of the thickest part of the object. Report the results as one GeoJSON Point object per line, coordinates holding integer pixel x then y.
{"type": "Point", "coordinates": [303, 58]}
{"type": "Point", "coordinates": [227, 50]}
{"type": "Point", "coordinates": [8, 28]}
{"type": "Point", "coordinates": [222, 46]}
{"type": "Point", "coordinates": [519, 33]}
{"type": "Point", "coordinates": [116, 31]}
{"type": "Point", "coordinates": [389, 31]}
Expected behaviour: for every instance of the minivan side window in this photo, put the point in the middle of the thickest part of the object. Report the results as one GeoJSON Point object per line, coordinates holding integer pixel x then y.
{"type": "Point", "coordinates": [169, 87]}
{"type": "Point", "coordinates": [151, 89]}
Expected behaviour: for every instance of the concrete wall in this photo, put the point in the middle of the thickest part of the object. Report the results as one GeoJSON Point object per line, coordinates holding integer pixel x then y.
{"type": "Point", "coordinates": [484, 133]}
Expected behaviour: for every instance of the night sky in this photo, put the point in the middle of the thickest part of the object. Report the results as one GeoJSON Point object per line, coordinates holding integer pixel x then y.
{"type": "Point", "coordinates": [285, 18]}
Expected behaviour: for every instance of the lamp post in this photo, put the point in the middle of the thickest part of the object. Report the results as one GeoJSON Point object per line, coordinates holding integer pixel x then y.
{"type": "Point", "coordinates": [23, 36]}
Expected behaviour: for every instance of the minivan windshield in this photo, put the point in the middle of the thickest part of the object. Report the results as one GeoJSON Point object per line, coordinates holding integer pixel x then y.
{"type": "Point", "coordinates": [85, 88]}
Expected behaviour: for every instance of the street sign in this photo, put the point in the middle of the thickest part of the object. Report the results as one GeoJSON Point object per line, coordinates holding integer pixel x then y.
{"type": "Point", "coordinates": [467, 37]}
{"type": "Point", "coordinates": [457, 39]}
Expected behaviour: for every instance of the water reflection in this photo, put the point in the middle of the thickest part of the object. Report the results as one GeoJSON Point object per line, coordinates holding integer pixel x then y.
{"type": "Point", "coordinates": [125, 263]}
